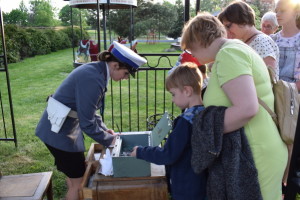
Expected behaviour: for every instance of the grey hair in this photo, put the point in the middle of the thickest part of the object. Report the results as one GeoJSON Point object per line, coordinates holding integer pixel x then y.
{"type": "Point", "coordinates": [270, 16]}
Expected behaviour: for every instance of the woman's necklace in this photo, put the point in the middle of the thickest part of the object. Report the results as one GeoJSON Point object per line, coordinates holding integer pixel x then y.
{"type": "Point", "coordinates": [252, 36]}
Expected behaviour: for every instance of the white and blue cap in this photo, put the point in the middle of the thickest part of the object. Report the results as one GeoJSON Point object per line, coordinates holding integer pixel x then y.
{"type": "Point", "coordinates": [127, 57]}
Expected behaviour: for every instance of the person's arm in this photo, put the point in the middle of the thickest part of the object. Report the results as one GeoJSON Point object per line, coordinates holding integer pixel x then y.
{"type": "Point", "coordinates": [89, 92]}
{"type": "Point", "coordinates": [173, 148]}
{"type": "Point", "coordinates": [242, 94]}
{"type": "Point", "coordinates": [270, 62]}
{"type": "Point", "coordinates": [269, 51]}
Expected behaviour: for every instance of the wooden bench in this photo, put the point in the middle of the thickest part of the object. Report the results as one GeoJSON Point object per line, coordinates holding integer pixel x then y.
{"type": "Point", "coordinates": [26, 186]}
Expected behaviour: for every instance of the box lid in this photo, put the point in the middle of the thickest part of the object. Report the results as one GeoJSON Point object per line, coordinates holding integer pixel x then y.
{"type": "Point", "coordinates": [161, 129]}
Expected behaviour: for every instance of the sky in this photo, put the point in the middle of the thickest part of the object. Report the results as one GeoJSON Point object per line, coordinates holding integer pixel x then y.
{"type": "Point", "coordinates": [8, 5]}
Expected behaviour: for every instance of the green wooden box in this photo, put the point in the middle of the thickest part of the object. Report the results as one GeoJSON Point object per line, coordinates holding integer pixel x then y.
{"type": "Point", "coordinates": [126, 166]}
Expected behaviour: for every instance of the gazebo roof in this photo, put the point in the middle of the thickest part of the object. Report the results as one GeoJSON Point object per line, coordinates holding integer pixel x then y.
{"type": "Point", "coordinates": [112, 4]}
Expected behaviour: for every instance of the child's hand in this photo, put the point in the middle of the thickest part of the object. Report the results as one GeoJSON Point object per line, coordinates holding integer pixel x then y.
{"type": "Point", "coordinates": [133, 153]}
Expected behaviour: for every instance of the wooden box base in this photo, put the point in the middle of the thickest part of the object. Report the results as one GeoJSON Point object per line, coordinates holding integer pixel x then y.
{"type": "Point", "coordinates": [96, 186]}
{"type": "Point", "coordinates": [154, 188]}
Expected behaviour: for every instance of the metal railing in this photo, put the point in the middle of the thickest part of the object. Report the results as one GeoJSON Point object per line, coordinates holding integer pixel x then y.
{"type": "Point", "coordinates": [137, 104]}
{"type": "Point", "coordinates": [7, 123]}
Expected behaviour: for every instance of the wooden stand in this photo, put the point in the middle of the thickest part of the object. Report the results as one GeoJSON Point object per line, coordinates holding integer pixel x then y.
{"type": "Point", "coordinates": [96, 186]}
{"type": "Point", "coordinates": [26, 186]}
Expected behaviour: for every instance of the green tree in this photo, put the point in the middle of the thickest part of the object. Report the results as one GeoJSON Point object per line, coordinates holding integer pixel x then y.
{"type": "Point", "coordinates": [22, 7]}
{"type": "Point", "coordinates": [160, 17]}
{"type": "Point", "coordinates": [17, 16]}
{"type": "Point", "coordinates": [119, 22]}
{"type": "Point", "coordinates": [148, 17]}
{"type": "Point", "coordinates": [210, 5]}
{"type": "Point", "coordinates": [65, 16]}
{"type": "Point", "coordinates": [257, 15]}
{"type": "Point", "coordinates": [91, 18]}
{"type": "Point", "coordinates": [179, 22]}
{"type": "Point", "coordinates": [41, 13]}
{"type": "Point", "coordinates": [213, 5]}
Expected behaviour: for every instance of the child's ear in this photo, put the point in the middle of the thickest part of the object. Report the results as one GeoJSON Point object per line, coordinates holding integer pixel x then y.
{"type": "Point", "coordinates": [188, 90]}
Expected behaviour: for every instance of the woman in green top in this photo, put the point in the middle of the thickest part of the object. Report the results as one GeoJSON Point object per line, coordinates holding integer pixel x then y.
{"type": "Point", "coordinates": [238, 76]}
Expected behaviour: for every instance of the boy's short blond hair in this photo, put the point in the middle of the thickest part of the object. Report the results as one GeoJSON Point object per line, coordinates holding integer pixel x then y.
{"type": "Point", "coordinates": [203, 29]}
{"type": "Point", "coordinates": [186, 74]}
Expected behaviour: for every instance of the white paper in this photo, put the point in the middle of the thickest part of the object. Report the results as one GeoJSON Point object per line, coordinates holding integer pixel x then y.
{"type": "Point", "coordinates": [106, 164]}
{"type": "Point", "coordinates": [97, 156]}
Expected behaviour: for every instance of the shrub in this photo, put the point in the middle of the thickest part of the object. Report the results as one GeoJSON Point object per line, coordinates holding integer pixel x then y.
{"type": "Point", "coordinates": [17, 43]}
{"type": "Point", "coordinates": [40, 42]}
{"type": "Point", "coordinates": [53, 38]}
{"type": "Point", "coordinates": [22, 43]}
{"type": "Point", "coordinates": [12, 51]}
{"type": "Point", "coordinates": [77, 35]}
{"type": "Point", "coordinates": [64, 41]}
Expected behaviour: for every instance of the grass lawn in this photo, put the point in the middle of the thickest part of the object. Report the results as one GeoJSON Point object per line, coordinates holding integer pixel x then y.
{"type": "Point", "coordinates": [32, 80]}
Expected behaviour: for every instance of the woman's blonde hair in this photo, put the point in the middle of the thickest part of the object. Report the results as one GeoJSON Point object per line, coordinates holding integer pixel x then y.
{"type": "Point", "coordinates": [186, 74]}
{"type": "Point", "coordinates": [203, 29]}
{"type": "Point", "coordinates": [292, 3]}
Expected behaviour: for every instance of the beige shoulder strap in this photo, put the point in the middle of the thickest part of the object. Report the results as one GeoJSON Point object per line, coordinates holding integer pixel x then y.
{"type": "Point", "coordinates": [273, 115]}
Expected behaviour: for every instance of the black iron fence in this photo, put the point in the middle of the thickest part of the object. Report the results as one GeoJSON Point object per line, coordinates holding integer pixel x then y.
{"type": "Point", "coordinates": [137, 104]}
{"type": "Point", "coordinates": [7, 123]}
